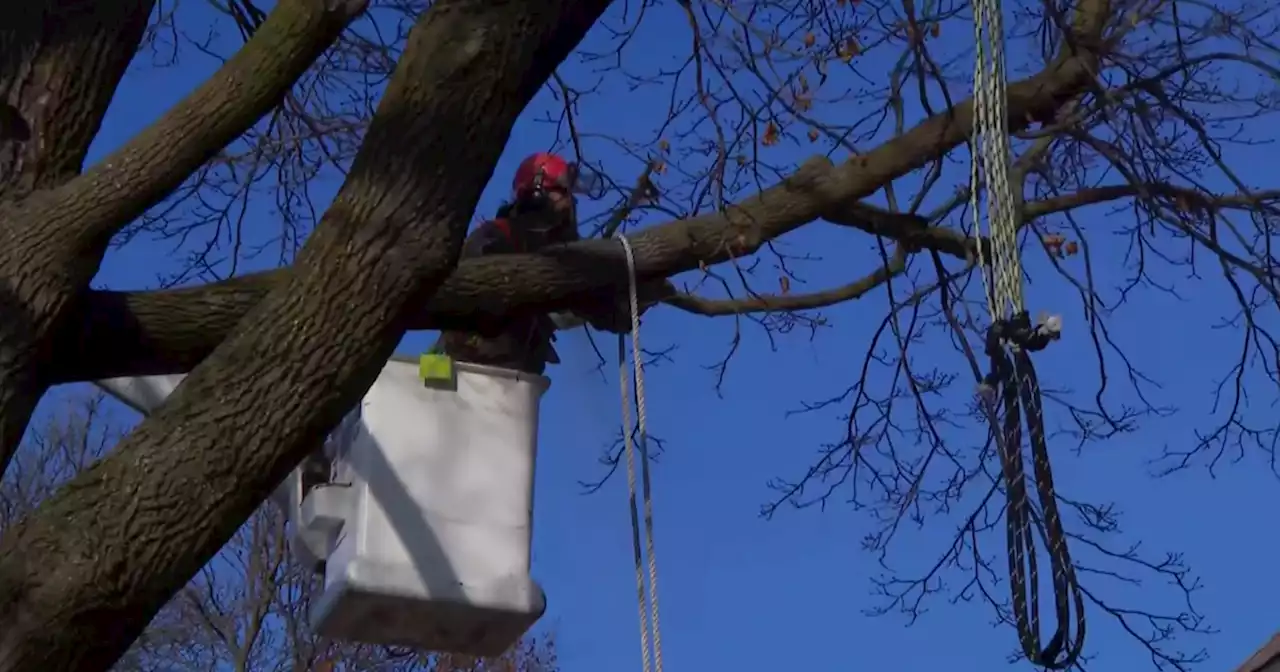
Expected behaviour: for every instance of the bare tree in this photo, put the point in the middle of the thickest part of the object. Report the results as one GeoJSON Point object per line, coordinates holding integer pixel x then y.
{"type": "Point", "coordinates": [75, 434]}
{"type": "Point", "coordinates": [1137, 105]}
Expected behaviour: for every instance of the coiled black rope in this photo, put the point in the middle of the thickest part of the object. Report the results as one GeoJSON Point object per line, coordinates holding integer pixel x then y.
{"type": "Point", "coordinates": [1013, 385]}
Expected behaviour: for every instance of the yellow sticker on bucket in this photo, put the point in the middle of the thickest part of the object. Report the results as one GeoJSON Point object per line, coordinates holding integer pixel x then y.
{"type": "Point", "coordinates": [435, 368]}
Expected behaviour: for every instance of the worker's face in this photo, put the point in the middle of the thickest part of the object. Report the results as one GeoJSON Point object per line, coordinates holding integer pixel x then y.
{"type": "Point", "coordinates": [564, 208]}
{"type": "Point", "coordinates": [561, 201]}
{"type": "Point", "coordinates": [554, 222]}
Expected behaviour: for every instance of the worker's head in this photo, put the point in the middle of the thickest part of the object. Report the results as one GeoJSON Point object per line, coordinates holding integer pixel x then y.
{"type": "Point", "coordinates": [545, 188]}
{"type": "Point", "coordinates": [544, 180]}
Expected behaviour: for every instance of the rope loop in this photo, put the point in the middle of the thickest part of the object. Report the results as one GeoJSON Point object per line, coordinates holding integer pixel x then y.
{"type": "Point", "coordinates": [1012, 389]}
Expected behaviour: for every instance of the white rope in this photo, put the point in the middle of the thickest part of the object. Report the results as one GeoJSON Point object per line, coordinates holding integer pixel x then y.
{"type": "Point", "coordinates": [650, 619]}
{"type": "Point", "coordinates": [990, 154]}
{"type": "Point", "coordinates": [989, 168]}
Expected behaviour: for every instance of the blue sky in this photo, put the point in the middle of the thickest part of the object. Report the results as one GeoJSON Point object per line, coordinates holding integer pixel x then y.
{"type": "Point", "coordinates": [740, 592]}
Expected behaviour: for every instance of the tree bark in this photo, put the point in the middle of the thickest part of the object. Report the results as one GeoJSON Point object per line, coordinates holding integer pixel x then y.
{"type": "Point", "coordinates": [60, 64]}
{"type": "Point", "coordinates": [81, 578]}
{"type": "Point", "coordinates": [62, 61]}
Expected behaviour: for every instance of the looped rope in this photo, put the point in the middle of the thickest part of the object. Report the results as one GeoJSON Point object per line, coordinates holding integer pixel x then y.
{"type": "Point", "coordinates": [1012, 385]}
{"type": "Point", "coordinates": [650, 619]}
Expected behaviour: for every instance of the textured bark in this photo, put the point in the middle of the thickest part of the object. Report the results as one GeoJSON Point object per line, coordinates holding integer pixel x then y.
{"type": "Point", "coordinates": [62, 62]}
{"type": "Point", "coordinates": [136, 333]}
{"type": "Point", "coordinates": [81, 578]}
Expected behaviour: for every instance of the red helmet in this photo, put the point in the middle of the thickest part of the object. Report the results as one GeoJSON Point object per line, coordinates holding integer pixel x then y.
{"type": "Point", "coordinates": [543, 172]}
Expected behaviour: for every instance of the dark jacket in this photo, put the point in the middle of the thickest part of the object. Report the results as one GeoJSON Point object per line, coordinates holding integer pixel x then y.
{"type": "Point", "coordinates": [523, 344]}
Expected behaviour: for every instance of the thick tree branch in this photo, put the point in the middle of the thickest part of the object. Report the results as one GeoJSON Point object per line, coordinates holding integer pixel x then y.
{"type": "Point", "coordinates": [149, 333]}
{"type": "Point", "coordinates": [86, 211]}
{"type": "Point", "coordinates": [60, 64]}
{"type": "Point", "coordinates": [142, 333]}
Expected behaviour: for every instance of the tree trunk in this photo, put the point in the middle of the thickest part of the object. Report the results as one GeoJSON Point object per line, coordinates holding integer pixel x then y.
{"type": "Point", "coordinates": [81, 578]}
{"type": "Point", "coordinates": [20, 391]}
{"type": "Point", "coordinates": [60, 64]}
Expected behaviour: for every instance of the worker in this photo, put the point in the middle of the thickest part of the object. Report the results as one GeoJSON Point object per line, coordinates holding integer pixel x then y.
{"type": "Point", "coordinates": [542, 212]}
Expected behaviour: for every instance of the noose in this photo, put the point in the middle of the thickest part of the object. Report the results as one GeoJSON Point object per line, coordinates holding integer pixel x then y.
{"type": "Point", "coordinates": [1011, 387]}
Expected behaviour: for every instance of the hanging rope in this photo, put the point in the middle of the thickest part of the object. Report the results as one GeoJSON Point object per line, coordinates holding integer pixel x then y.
{"type": "Point", "coordinates": [1012, 385]}
{"type": "Point", "coordinates": [648, 619]}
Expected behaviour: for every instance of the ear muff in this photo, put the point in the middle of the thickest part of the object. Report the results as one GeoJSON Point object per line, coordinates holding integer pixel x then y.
{"type": "Point", "coordinates": [538, 194]}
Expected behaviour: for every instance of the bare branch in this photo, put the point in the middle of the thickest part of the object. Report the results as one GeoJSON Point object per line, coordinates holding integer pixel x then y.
{"type": "Point", "coordinates": [792, 302]}
{"type": "Point", "coordinates": [111, 194]}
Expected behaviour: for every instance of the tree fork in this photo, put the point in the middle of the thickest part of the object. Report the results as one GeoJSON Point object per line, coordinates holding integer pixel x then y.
{"type": "Point", "coordinates": [63, 61]}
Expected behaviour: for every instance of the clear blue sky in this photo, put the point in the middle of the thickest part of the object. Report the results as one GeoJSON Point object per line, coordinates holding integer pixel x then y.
{"type": "Point", "coordinates": [741, 593]}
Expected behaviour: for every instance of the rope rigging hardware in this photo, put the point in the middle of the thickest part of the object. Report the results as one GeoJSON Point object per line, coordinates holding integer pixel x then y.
{"type": "Point", "coordinates": [1010, 392]}
{"type": "Point", "coordinates": [650, 626]}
